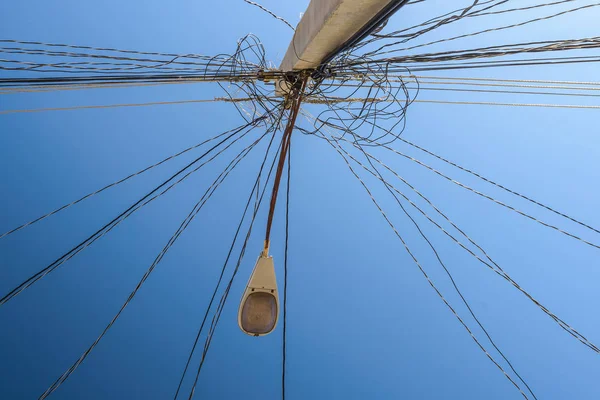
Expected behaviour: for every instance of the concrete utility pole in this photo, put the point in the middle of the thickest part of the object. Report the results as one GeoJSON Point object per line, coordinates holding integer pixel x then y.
{"type": "Point", "coordinates": [328, 25]}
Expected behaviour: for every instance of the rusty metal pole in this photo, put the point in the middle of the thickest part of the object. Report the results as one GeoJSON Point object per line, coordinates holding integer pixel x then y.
{"type": "Point", "coordinates": [294, 99]}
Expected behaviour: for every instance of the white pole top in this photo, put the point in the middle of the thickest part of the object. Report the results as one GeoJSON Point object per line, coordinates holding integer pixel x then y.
{"type": "Point", "coordinates": [326, 25]}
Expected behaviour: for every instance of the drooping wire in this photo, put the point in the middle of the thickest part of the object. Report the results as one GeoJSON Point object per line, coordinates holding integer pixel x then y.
{"type": "Point", "coordinates": [255, 188]}
{"type": "Point", "coordinates": [271, 13]}
{"type": "Point", "coordinates": [490, 263]}
{"type": "Point", "coordinates": [375, 172]}
{"type": "Point", "coordinates": [110, 185]}
{"type": "Point", "coordinates": [417, 263]}
{"type": "Point", "coordinates": [285, 271]}
{"type": "Point", "coordinates": [114, 222]}
{"type": "Point", "coordinates": [497, 29]}
{"type": "Point", "coordinates": [522, 213]}
{"type": "Point", "coordinates": [471, 172]}
{"type": "Point", "coordinates": [185, 223]}
{"type": "Point", "coordinates": [122, 105]}
{"type": "Point", "coordinates": [225, 295]}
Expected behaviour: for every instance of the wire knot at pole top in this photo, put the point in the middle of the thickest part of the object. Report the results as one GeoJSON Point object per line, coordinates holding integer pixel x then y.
{"type": "Point", "coordinates": [291, 85]}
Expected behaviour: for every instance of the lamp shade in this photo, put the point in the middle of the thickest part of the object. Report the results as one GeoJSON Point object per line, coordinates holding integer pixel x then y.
{"type": "Point", "coordinates": [259, 307]}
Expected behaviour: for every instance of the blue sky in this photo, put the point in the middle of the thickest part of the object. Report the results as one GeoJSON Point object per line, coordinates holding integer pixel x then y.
{"type": "Point", "coordinates": [362, 321]}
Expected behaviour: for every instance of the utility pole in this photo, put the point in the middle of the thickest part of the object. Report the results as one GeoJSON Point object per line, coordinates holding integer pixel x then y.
{"type": "Point", "coordinates": [328, 26]}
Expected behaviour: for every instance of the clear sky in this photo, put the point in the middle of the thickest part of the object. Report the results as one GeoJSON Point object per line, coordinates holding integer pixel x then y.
{"type": "Point", "coordinates": [362, 321]}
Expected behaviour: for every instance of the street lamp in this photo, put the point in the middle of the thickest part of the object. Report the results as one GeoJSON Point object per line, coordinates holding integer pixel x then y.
{"type": "Point", "coordinates": [259, 307]}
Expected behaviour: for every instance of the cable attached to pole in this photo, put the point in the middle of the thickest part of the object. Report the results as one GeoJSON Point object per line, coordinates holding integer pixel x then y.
{"type": "Point", "coordinates": [285, 270]}
{"type": "Point", "coordinates": [294, 100]}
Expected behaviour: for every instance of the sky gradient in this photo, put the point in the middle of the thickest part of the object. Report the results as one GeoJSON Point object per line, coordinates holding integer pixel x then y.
{"type": "Point", "coordinates": [362, 321]}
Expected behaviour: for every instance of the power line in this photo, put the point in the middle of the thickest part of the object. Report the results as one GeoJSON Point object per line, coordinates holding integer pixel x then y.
{"type": "Point", "coordinates": [109, 186]}
{"type": "Point", "coordinates": [225, 295]}
{"type": "Point", "coordinates": [493, 266]}
{"type": "Point", "coordinates": [271, 13]}
{"type": "Point", "coordinates": [388, 186]}
{"type": "Point", "coordinates": [502, 80]}
{"type": "Point", "coordinates": [493, 29]}
{"type": "Point", "coordinates": [490, 103]}
{"type": "Point", "coordinates": [42, 89]}
{"type": "Point", "coordinates": [138, 204]}
{"type": "Point", "coordinates": [255, 188]}
{"type": "Point", "coordinates": [184, 224]}
{"type": "Point", "coordinates": [416, 262]}
{"type": "Point", "coordinates": [493, 199]}
{"type": "Point", "coordinates": [285, 271]}
{"type": "Point", "coordinates": [502, 187]}
{"type": "Point", "coordinates": [485, 103]}
{"type": "Point", "coordinates": [155, 103]}
{"type": "Point", "coordinates": [486, 90]}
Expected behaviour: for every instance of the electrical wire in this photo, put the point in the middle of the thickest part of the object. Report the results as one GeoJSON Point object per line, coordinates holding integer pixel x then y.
{"type": "Point", "coordinates": [434, 287]}
{"type": "Point", "coordinates": [285, 271]}
{"type": "Point", "coordinates": [374, 171]}
{"type": "Point", "coordinates": [490, 263]}
{"type": "Point", "coordinates": [114, 222]}
{"type": "Point", "coordinates": [184, 225]}
{"type": "Point", "coordinates": [155, 103]}
{"type": "Point", "coordinates": [255, 188]}
{"type": "Point", "coordinates": [271, 13]}
{"type": "Point", "coordinates": [225, 295]}
{"type": "Point", "coordinates": [110, 185]}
